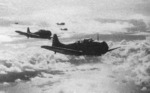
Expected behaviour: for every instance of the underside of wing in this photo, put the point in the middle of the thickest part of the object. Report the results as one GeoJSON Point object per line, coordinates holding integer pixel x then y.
{"type": "Point", "coordinates": [63, 50]}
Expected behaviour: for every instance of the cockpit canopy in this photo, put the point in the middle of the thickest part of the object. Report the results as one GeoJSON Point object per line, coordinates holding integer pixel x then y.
{"type": "Point", "coordinates": [42, 30]}
{"type": "Point", "coordinates": [87, 40]}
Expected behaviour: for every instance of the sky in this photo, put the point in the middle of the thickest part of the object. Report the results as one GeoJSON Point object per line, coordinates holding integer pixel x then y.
{"type": "Point", "coordinates": [103, 16]}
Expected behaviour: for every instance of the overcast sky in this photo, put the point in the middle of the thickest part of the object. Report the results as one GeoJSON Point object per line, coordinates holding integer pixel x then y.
{"type": "Point", "coordinates": [119, 8]}
{"type": "Point", "coordinates": [133, 15]}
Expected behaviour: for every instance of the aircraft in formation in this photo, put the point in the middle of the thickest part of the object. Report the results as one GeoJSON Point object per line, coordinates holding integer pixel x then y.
{"type": "Point", "coordinates": [64, 29]}
{"type": "Point", "coordinates": [44, 34]}
{"type": "Point", "coordinates": [62, 23]}
{"type": "Point", "coordinates": [86, 47]}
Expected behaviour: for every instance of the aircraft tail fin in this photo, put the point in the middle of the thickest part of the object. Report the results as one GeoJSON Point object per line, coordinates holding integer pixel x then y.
{"type": "Point", "coordinates": [28, 31]}
{"type": "Point", "coordinates": [55, 41]}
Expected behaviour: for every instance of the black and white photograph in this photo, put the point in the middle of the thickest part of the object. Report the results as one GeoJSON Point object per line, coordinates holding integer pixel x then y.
{"type": "Point", "coordinates": [74, 46]}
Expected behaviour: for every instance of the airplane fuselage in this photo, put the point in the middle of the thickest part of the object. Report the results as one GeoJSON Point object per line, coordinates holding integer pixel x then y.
{"type": "Point", "coordinates": [88, 48]}
{"type": "Point", "coordinates": [84, 47]}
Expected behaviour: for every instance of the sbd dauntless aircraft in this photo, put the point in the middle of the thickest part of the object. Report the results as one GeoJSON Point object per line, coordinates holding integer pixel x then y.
{"type": "Point", "coordinates": [64, 29]}
{"type": "Point", "coordinates": [86, 47]}
{"type": "Point", "coordinates": [45, 34]}
{"type": "Point", "coordinates": [60, 23]}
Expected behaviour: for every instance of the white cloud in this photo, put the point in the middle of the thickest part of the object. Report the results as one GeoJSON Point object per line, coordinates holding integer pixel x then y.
{"type": "Point", "coordinates": [128, 66]}
{"type": "Point", "coordinates": [90, 26]}
{"type": "Point", "coordinates": [4, 38]}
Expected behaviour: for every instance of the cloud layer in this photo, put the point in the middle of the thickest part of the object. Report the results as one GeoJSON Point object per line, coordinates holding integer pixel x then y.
{"type": "Point", "coordinates": [125, 69]}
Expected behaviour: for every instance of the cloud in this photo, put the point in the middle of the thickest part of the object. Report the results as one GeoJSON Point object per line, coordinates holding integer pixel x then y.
{"type": "Point", "coordinates": [143, 7]}
{"type": "Point", "coordinates": [90, 26]}
{"type": "Point", "coordinates": [138, 25]}
{"type": "Point", "coordinates": [6, 8]}
{"type": "Point", "coordinates": [128, 66]}
{"type": "Point", "coordinates": [5, 38]}
{"type": "Point", "coordinates": [135, 57]}
{"type": "Point", "coordinates": [134, 24]}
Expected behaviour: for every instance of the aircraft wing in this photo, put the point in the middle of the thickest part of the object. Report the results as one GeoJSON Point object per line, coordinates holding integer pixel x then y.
{"type": "Point", "coordinates": [27, 34]}
{"type": "Point", "coordinates": [113, 49]}
{"type": "Point", "coordinates": [33, 35]}
{"type": "Point", "coordinates": [63, 50]}
{"type": "Point", "coordinates": [21, 33]}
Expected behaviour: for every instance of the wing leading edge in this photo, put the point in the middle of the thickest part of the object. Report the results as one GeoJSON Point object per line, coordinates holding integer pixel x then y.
{"type": "Point", "coordinates": [63, 50]}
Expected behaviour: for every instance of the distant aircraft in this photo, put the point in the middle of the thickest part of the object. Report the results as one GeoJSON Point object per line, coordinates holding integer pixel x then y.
{"type": "Point", "coordinates": [45, 34]}
{"type": "Point", "coordinates": [60, 23]}
{"type": "Point", "coordinates": [65, 29]}
{"type": "Point", "coordinates": [16, 23]}
{"type": "Point", "coordinates": [86, 47]}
